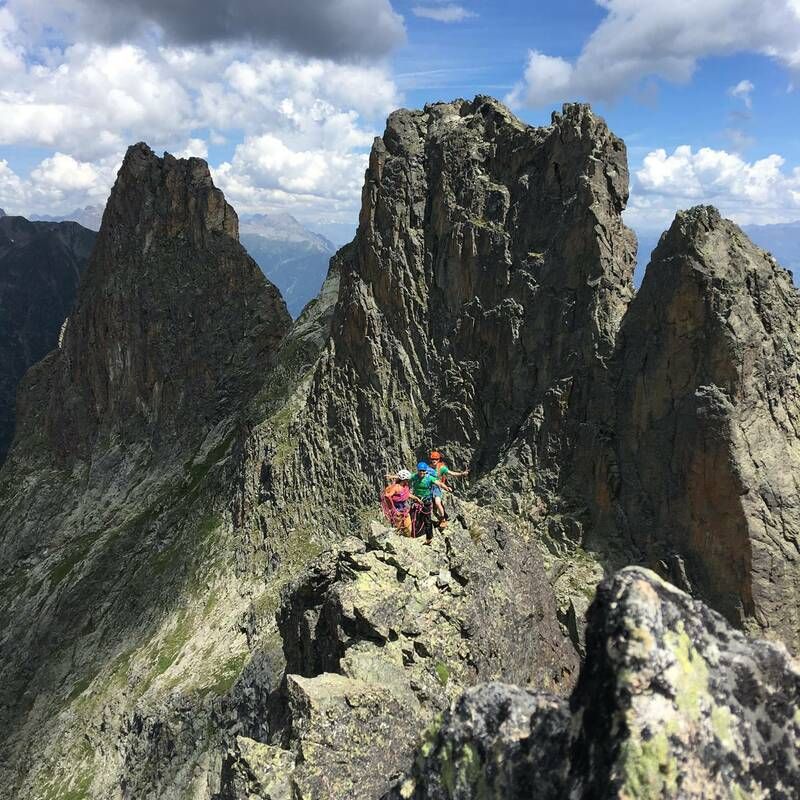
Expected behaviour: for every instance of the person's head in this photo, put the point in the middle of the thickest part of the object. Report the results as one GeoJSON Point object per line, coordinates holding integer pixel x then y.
{"type": "Point", "coordinates": [404, 476]}
{"type": "Point", "coordinates": [436, 457]}
{"type": "Point", "coordinates": [422, 468]}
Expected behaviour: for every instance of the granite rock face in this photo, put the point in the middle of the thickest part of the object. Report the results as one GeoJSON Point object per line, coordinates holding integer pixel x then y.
{"type": "Point", "coordinates": [382, 634]}
{"type": "Point", "coordinates": [177, 360]}
{"type": "Point", "coordinates": [40, 267]}
{"type": "Point", "coordinates": [477, 235]}
{"type": "Point", "coordinates": [708, 424]}
{"type": "Point", "coordinates": [671, 702]}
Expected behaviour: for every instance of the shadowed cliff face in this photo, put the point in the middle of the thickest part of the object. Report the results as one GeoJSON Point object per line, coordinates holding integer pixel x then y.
{"type": "Point", "coordinates": [708, 422]}
{"type": "Point", "coordinates": [173, 324]}
{"type": "Point", "coordinates": [40, 267]}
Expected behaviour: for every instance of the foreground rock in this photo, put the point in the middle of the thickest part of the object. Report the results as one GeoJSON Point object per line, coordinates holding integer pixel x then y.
{"type": "Point", "coordinates": [40, 266]}
{"type": "Point", "coordinates": [671, 703]}
{"type": "Point", "coordinates": [382, 635]}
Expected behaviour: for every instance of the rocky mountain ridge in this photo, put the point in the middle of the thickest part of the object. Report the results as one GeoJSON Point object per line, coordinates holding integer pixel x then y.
{"type": "Point", "coordinates": [196, 603]}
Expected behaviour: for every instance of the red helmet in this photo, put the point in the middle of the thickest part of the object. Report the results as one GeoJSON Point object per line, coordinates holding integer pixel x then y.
{"type": "Point", "coordinates": [436, 455]}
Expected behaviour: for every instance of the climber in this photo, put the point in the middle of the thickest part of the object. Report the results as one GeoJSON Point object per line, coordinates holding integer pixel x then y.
{"type": "Point", "coordinates": [422, 485]}
{"type": "Point", "coordinates": [396, 502]}
{"type": "Point", "coordinates": [441, 471]}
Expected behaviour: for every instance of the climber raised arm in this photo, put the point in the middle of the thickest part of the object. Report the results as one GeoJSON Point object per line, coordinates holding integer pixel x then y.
{"type": "Point", "coordinates": [441, 471]}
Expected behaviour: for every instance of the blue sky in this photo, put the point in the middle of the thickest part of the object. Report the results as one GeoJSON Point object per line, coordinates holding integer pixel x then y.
{"type": "Point", "coordinates": [284, 99]}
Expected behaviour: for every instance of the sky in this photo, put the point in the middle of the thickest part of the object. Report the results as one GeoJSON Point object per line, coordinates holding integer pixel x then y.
{"type": "Point", "coordinates": [284, 99]}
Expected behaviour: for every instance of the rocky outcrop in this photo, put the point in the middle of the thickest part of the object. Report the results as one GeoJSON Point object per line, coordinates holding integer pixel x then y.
{"type": "Point", "coordinates": [40, 266]}
{"type": "Point", "coordinates": [707, 420]}
{"type": "Point", "coordinates": [478, 235]}
{"type": "Point", "coordinates": [671, 702]}
{"type": "Point", "coordinates": [382, 635]}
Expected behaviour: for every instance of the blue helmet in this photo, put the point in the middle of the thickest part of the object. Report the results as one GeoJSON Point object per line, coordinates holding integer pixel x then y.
{"type": "Point", "coordinates": [422, 466]}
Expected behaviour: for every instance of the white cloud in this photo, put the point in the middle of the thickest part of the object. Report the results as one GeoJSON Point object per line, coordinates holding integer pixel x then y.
{"type": "Point", "coordinates": [744, 91]}
{"type": "Point", "coordinates": [266, 174]}
{"type": "Point", "coordinates": [194, 148]}
{"type": "Point", "coordinates": [640, 39]}
{"type": "Point", "coordinates": [749, 192]}
{"type": "Point", "coordinates": [92, 100]}
{"type": "Point", "coordinates": [87, 102]}
{"type": "Point", "coordinates": [57, 184]}
{"type": "Point", "coordinates": [446, 13]}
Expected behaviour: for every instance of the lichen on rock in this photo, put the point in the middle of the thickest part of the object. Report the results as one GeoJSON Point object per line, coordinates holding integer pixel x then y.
{"type": "Point", "coordinates": [671, 702]}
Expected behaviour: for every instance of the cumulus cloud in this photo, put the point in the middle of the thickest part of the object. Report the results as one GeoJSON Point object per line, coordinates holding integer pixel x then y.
{"type": "Point", "coordinates": [57, 184]}
{"type": "Point", "coordinates": [194, 148]}
{"type": "Point", "coordinates": [444, 13]}
{"type": "Point", "coordinates": [338, 29]}
{"type": "Point", "coordinates": [761, 191]}
{"type": "Point", "coordinates": [744, 91]}
{"type": "Point", "coordinates": [86, 102]}
{"type": "Point", "coordinates": [90, 101]}
{"type": "Point", "coordinates": [267, 174]}
{"type": "Point", "coordinates": [639, 39]}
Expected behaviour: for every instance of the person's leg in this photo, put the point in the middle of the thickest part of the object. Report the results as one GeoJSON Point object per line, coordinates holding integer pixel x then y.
{"type": "Point", "coordinates": [441, 513]}
{"type": "Point", "coordinates": [428, 511]}
{"type": "Point", "coordinates": [406, 525]}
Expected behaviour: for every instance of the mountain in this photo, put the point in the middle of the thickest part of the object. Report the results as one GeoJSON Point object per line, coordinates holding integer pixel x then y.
{"type": "Point", "coordinates": [290, 255]}
{"type": "Point", "coordinates": [197, 597]}
{"type": "Point", "coordinates": [89, 217]}
{"type": "Point", "coordinates": [706, 406]}
{"type": "Point", "coordinates": [40, 266]}
{"type": "Point", "coordinates": [119, 430]}
{"type": "Point", "coordinates": [780, 239]}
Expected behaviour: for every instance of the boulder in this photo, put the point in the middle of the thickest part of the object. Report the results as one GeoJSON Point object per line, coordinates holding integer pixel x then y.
{"type": "Point", "coordinates": [671, 702]}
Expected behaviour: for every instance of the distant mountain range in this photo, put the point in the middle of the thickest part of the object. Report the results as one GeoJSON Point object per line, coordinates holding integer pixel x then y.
{"type": "Point", "coordinates": [88, 216]}
{"type": "Point", "coordinates": [294, 258]}
{"type": "Point", "coordinates": [782, 240]}
{"type": "Point", "coordinates": [40, 266]}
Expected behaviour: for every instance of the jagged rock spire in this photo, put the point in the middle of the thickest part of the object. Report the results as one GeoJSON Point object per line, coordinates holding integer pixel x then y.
{"type": "Point", "coordinates": [708, 422]}
{"type": "Point", "coordinates": [488, 275]}
{"type": "Point", "coordinates": [174, 321]}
